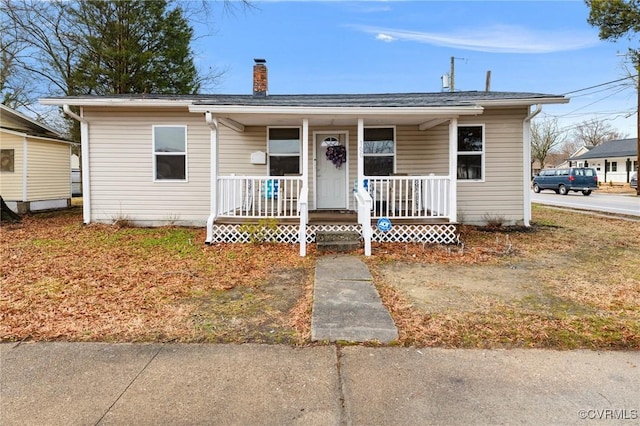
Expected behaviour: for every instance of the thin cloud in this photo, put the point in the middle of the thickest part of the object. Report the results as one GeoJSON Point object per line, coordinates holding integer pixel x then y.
{"type": "Point", "coordinates": [385, 37]}
{"type": "Point", "coordinates": [494, 39]}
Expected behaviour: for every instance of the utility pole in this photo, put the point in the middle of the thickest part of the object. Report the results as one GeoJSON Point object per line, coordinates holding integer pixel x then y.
{"type": "Point", "coordinates": [638, 120]}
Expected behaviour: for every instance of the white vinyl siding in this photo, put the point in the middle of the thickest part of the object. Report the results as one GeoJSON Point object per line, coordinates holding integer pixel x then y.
{"type": "Point", "coordinates": [122, 171]}
{"type": "Point", "coordinates": [11, 182]}
{"type": "Point", "coordinates": [48, 170]}
{"type": "Point", "coordinates": [500, 195]}
{"type": "Point", "coordinates": [122, 181]}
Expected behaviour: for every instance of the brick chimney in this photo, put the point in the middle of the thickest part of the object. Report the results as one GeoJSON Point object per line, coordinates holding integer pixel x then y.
{"type": "Point", "coordinates": [260, 86]}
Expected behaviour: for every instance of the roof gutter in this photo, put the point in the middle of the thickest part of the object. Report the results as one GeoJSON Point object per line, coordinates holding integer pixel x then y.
{"type": "Point", "coordinates": [84, 155]}
{"type": "Point", "coordinates": [324, 110]}
{"type": "Point", "coordinates": [526, 162]}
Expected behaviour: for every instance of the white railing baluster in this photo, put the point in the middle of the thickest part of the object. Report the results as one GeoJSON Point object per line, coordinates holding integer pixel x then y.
{"type": "Point", "coordinates": [257, 196]}
{"type": "Point", "coordinates": [404, 197]}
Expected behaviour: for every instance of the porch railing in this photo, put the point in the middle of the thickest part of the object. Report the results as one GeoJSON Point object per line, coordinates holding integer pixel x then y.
{"type": "Point", "coordinates": [409, 197]}
{"type": "Point", "coordinates": [259, 196]}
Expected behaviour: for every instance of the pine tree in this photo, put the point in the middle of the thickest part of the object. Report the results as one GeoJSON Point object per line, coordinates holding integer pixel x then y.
{"type": "Point", "coordinates": [134, 47]}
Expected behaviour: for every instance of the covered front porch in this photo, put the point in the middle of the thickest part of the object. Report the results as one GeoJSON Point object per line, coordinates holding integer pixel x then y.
{"type": "Point", "coordinates": [421, 207]}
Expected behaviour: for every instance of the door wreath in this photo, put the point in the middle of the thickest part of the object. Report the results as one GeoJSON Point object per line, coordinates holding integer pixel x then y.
{"type": "Point", "coordinates": [337, 154]}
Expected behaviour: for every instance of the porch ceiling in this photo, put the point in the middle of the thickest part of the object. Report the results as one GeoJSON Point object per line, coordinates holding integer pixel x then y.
{"type": "Point", "coordinates": [371, 116]}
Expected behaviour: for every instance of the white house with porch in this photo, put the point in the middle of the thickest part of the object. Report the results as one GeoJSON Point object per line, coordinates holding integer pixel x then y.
{"type": "Point", "coordinates": [308, 163]}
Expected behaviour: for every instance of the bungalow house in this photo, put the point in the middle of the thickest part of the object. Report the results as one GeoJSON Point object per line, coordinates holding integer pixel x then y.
{"type": "Point", "coordinates": [614, 160]}
{"type": "Point", "coordinates": [35, 164]}
{"type": "Point", "coordinates": [300, 164]}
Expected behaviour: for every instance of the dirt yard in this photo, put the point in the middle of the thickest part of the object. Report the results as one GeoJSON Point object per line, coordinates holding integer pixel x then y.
{"type": "Point", "coordinates": [570, 281]}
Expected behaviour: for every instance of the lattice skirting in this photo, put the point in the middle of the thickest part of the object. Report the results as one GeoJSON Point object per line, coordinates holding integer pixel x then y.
{"type": "Point", "coordinates": [420, 233]}
{"type": "Point", "coordinates": [417, 233]}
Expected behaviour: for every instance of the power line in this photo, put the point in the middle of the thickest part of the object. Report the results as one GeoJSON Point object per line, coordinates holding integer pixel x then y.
{"type": "Point", "coordinates": [600, 85]}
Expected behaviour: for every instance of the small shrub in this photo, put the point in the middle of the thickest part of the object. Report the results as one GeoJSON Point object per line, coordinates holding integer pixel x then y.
{"type": "Point", "coordinates": [493, 220]}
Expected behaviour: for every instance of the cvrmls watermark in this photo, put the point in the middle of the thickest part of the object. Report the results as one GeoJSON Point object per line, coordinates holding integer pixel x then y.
{"type": "Point", "coordinates": [609, 414]}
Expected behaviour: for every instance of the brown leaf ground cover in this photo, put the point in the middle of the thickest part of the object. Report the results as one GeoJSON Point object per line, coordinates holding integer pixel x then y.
{"type": "Point", "coordinates": [62, 280]}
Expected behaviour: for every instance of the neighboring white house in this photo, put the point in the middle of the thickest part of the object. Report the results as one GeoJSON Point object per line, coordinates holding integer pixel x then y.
{"type": "Point", "coordinates": [569, 163]}
{"type": "Point", "coordinates": [425, 161]}
{"type": "Point", "coordinates": [614, 160]}
{"type": "Point", "coordinates": [35, 167]}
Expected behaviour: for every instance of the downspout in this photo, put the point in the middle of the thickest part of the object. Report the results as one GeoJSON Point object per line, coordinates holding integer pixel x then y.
{"type": "Point", "coordinates": [526, 160]}
{"type": "Point", "coordinates": [213, 125]}
{"type": "Point", "coordinates": [25, 174]}
{"type": "Point", "coordinates": [86, 175]}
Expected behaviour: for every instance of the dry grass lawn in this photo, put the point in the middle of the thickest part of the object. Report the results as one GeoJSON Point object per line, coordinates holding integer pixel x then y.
{"type": "Point", "coordinates": [572, 281]}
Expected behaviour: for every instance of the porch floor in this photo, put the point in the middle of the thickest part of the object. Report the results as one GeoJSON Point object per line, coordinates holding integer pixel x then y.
{"type": "Point", "coordinates": [330, 217]}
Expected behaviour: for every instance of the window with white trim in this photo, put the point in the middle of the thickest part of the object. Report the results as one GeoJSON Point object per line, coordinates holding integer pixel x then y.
{"type": "Point", "coordinates": [283, 145]}
{"type": "Point", "coordinates": [7, 160]}
{"type": "Point", "coordinates": [470, 152]}
{"type": "Point", "coordinates": [379, 151]}
{"type": "Point", "coordinates": [170, 153]}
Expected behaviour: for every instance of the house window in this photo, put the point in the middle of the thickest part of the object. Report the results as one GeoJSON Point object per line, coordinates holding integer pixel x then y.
{"type": "Point", "coordinates": [170, 152]}
{"type": "Point", "coordinates": [613, 166]}
{"type": "Point", "coordinates": [470, 152]}
{"type": "Point", "coordinates": [379, 151]}
{"type": "Point", "coordinates": [7, 162]}
{"type": "Point", "coordinates": [284, 151]}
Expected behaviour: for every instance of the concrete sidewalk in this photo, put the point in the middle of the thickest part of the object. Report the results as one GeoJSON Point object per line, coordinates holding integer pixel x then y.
{"type": "Point", "coordinates": [194, 384]}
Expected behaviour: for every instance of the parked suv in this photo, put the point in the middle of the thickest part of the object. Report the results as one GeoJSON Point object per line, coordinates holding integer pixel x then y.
{"type": "Point", "coordinates": [564, 180]}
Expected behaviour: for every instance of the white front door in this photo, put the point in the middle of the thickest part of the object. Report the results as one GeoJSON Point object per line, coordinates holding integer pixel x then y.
{"type": "Point", "coordinates": [331, 174]}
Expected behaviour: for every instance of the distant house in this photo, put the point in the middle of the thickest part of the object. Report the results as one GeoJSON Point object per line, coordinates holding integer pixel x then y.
{"type": "Point", "coordinates": [35, 164]}
{"type": "Point", "coordinates": [423, 161]}
{"type": "Point", "coordinates": [567, 162]}
{"type": "Point", "coordinates": [614, 160]}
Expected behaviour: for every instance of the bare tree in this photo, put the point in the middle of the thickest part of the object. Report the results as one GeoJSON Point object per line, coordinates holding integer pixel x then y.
{"type": "Point", "coordinates": [545, 137]}
{"type": "Point", "coordinates": [593, 132]}
{"type": "Point", "coordinates": [15, 87]}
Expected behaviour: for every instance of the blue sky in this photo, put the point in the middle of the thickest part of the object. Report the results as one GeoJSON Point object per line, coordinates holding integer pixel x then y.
{"type": "Point", "coordinates": [406, 46]}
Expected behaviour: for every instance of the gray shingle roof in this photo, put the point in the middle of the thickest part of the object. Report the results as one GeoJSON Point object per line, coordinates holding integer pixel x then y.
{"type": "Point", "coordinates": [370, 100]}
{"type": "Point", "coordinates": [436, 99]}
{"type": "Point", "coordinates": [610, 149]}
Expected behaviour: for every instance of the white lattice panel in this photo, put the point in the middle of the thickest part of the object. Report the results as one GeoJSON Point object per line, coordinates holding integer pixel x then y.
{"type": "Point", "coordinates": [232, 234]}
{"type": "Point", "coordinates": [441, 234]}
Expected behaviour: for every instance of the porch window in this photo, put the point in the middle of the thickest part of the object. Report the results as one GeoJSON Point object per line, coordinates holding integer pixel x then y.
{"type": "Point", "coordinates": [170, 152]}
{"type": "Point", "coordinates": [379, 151]}
{"type": "Point", "coordinates": [613, 166]}
{"type": "Point", "coordinates": [284, 151]}
{"type": "Point", "coordinates": [470, 152]}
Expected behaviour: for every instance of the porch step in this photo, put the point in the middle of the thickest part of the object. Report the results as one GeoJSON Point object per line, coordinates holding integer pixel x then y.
{"type": "Point", "coordinates": [341, 241]}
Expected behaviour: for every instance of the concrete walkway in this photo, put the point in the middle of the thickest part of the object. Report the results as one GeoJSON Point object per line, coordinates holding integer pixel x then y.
{"type": "Point", "coordinates": [346, 305]}
{"type": "Point", "coordinates": [203, 384]}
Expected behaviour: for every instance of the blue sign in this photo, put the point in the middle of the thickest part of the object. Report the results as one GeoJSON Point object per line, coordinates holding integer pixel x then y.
{"type": "Point", "coordinates": [384, 224]}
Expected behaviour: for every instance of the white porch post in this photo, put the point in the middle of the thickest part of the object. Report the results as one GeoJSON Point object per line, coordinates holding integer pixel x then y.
{"type": "Point", "coordinates": [305, 152]}
{"type": "Point", "coordinates": [360, 151]}
{"type": "Point", "coordinates": [304, 207]}
{"type": "Point", "coordinates": [213, 125]}
{"type": "Point", "coordinates": [453, 170]}
{"type": "Point", "coordinates": [364, 210]}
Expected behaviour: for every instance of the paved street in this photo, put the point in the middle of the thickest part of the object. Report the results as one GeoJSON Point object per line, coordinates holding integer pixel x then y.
{"type": "Point", "coordinates": [608, 203]}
